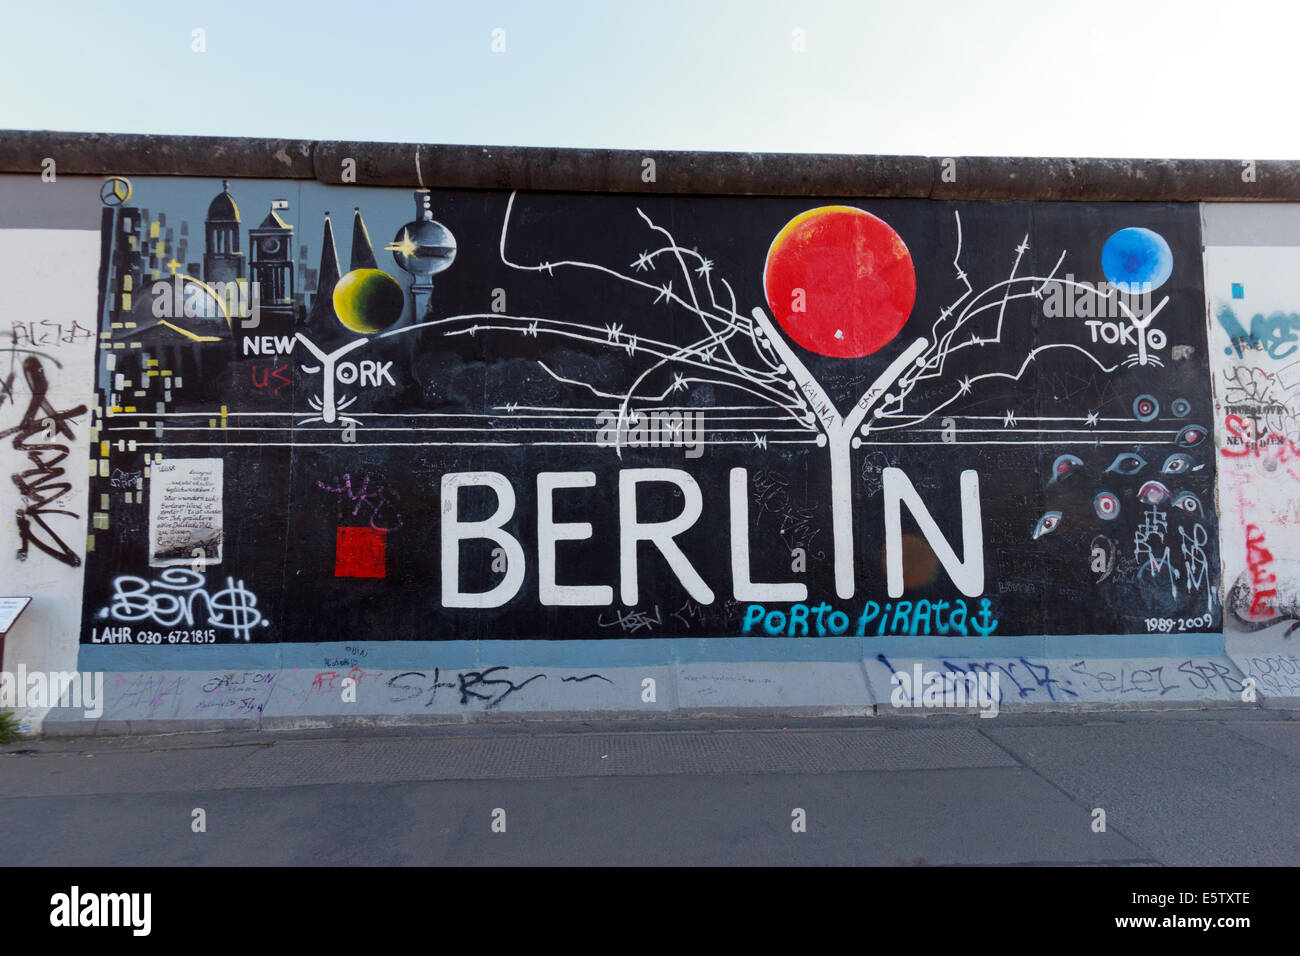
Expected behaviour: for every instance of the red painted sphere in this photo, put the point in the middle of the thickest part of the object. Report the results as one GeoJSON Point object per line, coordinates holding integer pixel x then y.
{"type": "Point", "coordinates": [840, 281]}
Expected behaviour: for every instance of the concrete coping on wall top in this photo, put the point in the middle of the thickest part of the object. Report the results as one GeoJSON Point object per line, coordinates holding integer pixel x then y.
{"type": "Point", "coordinates": [653, 171]}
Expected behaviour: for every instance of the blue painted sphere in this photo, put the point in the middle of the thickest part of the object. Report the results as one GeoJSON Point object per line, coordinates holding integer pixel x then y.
{"type": "Point", "coordinates": [1135, 260]}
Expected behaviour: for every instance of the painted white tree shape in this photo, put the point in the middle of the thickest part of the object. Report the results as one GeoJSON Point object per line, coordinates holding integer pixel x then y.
{"type": "Point", "coordinates": [750, 355]}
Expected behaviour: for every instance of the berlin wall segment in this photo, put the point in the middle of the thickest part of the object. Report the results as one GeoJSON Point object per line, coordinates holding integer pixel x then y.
{"type": "Point", "coordinates": [329, 413]}
{"type": "Point", "coordinates": [1252, 255]}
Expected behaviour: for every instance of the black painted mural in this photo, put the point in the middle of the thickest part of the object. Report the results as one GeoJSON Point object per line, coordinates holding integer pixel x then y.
{"type": "Point", "coordinates": [334, 413]}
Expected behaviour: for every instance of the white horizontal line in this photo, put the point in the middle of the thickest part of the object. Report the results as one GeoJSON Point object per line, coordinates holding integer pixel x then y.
{"type": "Point", "coordinates": [304, 414]}
{"type": "Point", "coordinates": [308, 429]}
{"type": "Point", "coordinates": [1027, 418]}
{"type": "Point", "coordinates": [423, 444]}
{"type": "Point", "coordinates": [659, 408]}
{"type": "Point", "coordinates": [1054, 431]}
{"type": "Point", "coordinates": [904, 443]}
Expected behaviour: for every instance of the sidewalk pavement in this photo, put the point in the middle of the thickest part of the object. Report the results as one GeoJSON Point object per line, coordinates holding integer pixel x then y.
{"type": "Point", "coordinates": [1212, 787]}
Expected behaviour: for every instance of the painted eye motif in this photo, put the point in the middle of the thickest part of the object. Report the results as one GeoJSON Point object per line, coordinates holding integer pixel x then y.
{"type": "Point", "coordinates": [1180, 407]}
{"type": "Point", "coordinates": [1127, 463]}
{"type": "Point", "coordinates": [1188, 502]}
{"type": "Point", "coordinates": [1106, 505]}
{"type": "Point", "coordinates": [1153, 493]}
{"type": "Point", "coordinates": [1047, 524]}
{"type": "Point", "coordinates": [1176, 464]}
{"type": "Point", "coordinates": [1190, 436]}
{"type": "Point", "coordinates": [1064, 465]}
{"type": "Point", "coordinates": [1145, 408]}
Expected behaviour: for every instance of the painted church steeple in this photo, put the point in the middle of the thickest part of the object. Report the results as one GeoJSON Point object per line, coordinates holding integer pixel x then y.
{"type": "Point", "coordinates": [223, 261]}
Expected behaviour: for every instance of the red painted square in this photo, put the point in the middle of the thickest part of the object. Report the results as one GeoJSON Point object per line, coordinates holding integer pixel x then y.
{"type": "Point", "coordinates": [360, 553]}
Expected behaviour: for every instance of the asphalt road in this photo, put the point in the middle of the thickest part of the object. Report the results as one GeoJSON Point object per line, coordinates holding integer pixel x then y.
{"type": "Point", "coordinates": [1216, 787]}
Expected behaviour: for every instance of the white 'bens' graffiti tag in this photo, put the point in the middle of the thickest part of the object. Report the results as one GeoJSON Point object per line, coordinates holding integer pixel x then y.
{"type": "Point", "coordinates": [172, 604]}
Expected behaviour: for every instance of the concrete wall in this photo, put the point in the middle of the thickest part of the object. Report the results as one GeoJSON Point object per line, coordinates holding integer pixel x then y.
{"type": "Point", "coordinates": [311, 451]}
{"type": "Point", "coordinates": [1252, 272]}
{"type": "Point", "coordinates": [49, 243]}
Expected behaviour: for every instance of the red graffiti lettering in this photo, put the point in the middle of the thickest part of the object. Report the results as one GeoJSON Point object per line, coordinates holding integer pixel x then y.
{"type": "Point", "coordinates": [1257, 559]}
{"type": "Point", "coordinates": [1244, 438]}
{"type": "Point", "coordinates": [269, 373]}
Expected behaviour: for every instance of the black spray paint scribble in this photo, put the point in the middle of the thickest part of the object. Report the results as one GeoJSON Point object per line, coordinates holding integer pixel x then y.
{"type": "Point", "coordinates": [471, 685]}
{"type": "Point", "coordinates": [42, 485]}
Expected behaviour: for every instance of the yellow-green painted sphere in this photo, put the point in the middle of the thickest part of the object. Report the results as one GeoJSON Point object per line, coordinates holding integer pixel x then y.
{"type": "Point", "coordinates": [368, 300]}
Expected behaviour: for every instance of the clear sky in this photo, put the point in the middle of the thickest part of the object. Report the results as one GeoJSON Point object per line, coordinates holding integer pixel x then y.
{"type": "Point", "coordinates": [1184, 78]}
